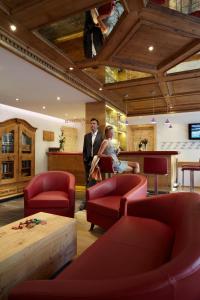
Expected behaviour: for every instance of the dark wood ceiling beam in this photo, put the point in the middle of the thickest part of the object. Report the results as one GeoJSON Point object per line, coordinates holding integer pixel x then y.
{"type": "Point", "coordinates": [49, 11]}
{"type": "Point", "coordinates": [172, 19]}
{"type": "Point", "coordinates": [129, 83]}
{"type": "Point", "coordinates": [182, 75]}
{"type": "Point", "coordinates": [164, 89]}
{"type": "Point", "coordinates": [32, 42]}
{"type": "Point", "coordinates": [4, 8]}
{"type": "Point", "coordinates": [143, 99]}
{"type": "Point", "coordinates": [134, 65]}
{"type": "Point", "coordinates": [179, 57]}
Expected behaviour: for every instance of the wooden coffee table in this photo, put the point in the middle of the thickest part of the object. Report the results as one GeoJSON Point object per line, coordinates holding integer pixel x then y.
{"type": "Point", "coordinates": [35, 253]}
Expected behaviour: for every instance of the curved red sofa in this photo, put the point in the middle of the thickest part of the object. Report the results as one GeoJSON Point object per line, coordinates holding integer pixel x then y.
{"type": "Point", "coordinates": [50, 192]}
{"type": "Point", "coordinates": [153, 253]}
{"type": "Point", "coordinates": [106, 201]}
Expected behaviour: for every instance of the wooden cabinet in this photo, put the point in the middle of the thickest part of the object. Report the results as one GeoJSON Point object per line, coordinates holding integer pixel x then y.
{"type": "Point", "coordinates": [108, 115]}
{"type": "Point", "coordinates": [17, 156]}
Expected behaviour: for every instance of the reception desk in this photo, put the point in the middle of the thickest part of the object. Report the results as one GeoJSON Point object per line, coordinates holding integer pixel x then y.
{"type": "Point", "coordinates": [73, 163]}
{"type": "Point", "coordinates": [70, 162]}
{"type": "Point", "coordinates": [165, 183]}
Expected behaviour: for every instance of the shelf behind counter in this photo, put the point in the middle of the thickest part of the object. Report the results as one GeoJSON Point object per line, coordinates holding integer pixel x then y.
{"type": "Point", "coordinates": [73, 163]}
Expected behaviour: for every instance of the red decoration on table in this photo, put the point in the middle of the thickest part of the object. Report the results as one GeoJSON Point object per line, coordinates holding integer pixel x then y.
{"type": "Point", "coordinates": [29, 224]}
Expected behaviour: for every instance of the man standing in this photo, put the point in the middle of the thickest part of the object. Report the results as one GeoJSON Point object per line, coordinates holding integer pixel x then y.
{"type": "Point", "coordinates": [92, 143]}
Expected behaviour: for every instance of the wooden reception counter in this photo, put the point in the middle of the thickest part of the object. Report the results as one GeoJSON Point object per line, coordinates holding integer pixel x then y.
{"type": "Point", "coordinates": [70, 162]}
{"type": "Point", "coordinates": [73, 163]}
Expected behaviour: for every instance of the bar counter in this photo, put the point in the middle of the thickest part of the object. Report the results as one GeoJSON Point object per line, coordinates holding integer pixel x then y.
{"type": "Point", "coordinates": [73, 163]}
{"type": "Point", "coordinates": [165, 183]}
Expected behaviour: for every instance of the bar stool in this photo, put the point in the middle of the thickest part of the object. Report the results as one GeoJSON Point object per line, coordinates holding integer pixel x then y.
{"type": "Point", "coordinates": [190, 168]}
{"type": "Point", "coordinates": [155, 166]}
{"type": "Point", "coordinates": [106, 165]}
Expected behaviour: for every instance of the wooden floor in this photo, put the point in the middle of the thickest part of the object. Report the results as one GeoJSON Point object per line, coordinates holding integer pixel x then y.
{"type": "Point", "coordinates": [12, 210]}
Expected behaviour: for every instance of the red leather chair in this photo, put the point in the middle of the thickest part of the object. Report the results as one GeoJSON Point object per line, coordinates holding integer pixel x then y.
{"type": "Point", "coordinates": [155, 166]}
{"type": "Point", "coordinates": [51, 192]}
{"type": "Point", "coordinates": [106, 201]}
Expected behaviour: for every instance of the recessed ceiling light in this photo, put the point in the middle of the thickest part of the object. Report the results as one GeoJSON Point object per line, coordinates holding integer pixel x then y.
{"type": "Point", "coordinates": [100, 89]}
{"type": "Point", "coordinates": [171, 106]}
{"type": "Point", "coordinates": [58, 98]}
{"type": "Point", "coordinates": [71, 68]}
{"type": "Point", "coordinates": [13, 27]}
{"type": "Point", "coordinates": [17, 99]}
{"type": "Point", "coordinates": [151, 48]}
{"type": "Point", "coordinates": [43, 107]}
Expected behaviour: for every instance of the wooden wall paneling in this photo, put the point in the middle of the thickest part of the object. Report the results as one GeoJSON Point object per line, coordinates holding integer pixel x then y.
{"type": "Point", "coordinates": [71, 138]}
{"type": "Point", "coordinates": [95, 110]}
{"type": "Point", "coordinates": [136, 133]}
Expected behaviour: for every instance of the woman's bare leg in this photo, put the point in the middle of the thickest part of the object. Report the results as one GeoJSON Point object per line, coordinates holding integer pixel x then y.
{"type": "Point", "coordinates": [135, 166]}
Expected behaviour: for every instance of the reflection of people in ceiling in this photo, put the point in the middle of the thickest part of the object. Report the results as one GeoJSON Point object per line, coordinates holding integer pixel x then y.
{"type": "Point", "coordinates": [107, 16]}
{"type": "Point", "coordinates": [92, 38]}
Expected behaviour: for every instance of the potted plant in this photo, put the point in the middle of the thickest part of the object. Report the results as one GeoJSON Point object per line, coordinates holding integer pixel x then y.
{"type": "Point", "coordinates": [62, 140]}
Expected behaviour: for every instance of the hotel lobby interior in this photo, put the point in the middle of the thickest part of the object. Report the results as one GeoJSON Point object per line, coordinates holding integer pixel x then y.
{"type": "Point", "coordinates": [100, 150]}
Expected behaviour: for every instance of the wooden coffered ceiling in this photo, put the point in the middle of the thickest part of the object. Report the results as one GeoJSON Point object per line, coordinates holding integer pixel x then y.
{"type": "Point", "coordinates": [175, 37]}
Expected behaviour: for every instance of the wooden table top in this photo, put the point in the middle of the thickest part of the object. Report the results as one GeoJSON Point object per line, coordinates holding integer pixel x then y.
{"type": "Point", "coordinates": [13, 241]}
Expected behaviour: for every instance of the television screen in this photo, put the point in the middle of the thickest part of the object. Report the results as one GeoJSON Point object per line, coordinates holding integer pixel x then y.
{"type": "Point", "coordinates": [194, 131]}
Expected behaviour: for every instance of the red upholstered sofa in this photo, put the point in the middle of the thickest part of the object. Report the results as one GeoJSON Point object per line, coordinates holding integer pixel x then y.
{"type": "Point", "coordinates": [51, 192]}
{"type": "Point", "coordinates": [107, 200]}
{"type": "Point", "coordinates": [151, 254]}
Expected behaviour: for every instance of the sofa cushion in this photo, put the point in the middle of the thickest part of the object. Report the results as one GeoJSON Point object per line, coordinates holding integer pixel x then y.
{"type": "Point", "coordinates": [131, 247]}
{"type": "Point", "coordinates": [50, 199]}
{"type": "Point", "coordinates": [107, 206]}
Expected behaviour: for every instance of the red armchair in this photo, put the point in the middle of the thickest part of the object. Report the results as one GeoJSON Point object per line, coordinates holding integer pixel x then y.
{"type": "Point", "coordinates": [51, 192]}
{"type": "Point", "coordinates": [107, 200]}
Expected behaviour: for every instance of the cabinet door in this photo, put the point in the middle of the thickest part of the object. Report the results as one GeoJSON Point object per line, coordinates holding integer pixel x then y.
{"type": "Point", "coordinates": [8, 154]}
{"type": "Point", "coordinates": [26, 153]}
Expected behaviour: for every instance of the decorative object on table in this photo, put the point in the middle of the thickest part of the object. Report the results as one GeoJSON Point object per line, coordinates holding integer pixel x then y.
{"type": "Point", "coordinates": [29, 224]}
{"type": "Point", "coordinates": [143, 145]}
{"type": "Point", "coordinates": [62, 141]}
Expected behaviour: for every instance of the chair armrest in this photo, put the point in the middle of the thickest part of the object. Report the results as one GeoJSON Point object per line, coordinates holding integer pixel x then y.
{"type": "Point", "coordinates": [33, 188]}
{"type": "Point", "coordinates": [138, 192]}
{"type": "Point", "coordinates": [101, 189]}
{"type": "Point", "coordinates": [71, 190]}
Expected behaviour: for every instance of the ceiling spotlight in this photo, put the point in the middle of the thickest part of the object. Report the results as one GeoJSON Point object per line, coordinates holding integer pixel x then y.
{"type": "Point", "coordinates": [171, 106]}
{"type": "Point", "coordinates": [43, 107]}
{"type": "Point", "coordinates": [71, 68]}
{"type": "Point", "coordinates": [58, 98]}
{"type": "Point", "coordinates": [151, 48]}
{"type": "Point", "coordinates": [126, 96]}
{"type": "Point", "coordinates": [100, 89]}
{"type": "Point", "coordinates": [17, 99]}
{"type": "Point", "coordinates": [13, 27]}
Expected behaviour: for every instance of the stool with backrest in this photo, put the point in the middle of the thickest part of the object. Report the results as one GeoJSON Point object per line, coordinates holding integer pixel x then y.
{"type": "Point", "coordinates": [155, 166]}
{"type": "Point", "coordinates": [106, 165]}
{"type": "Point", "coordinates": [191, 168]}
